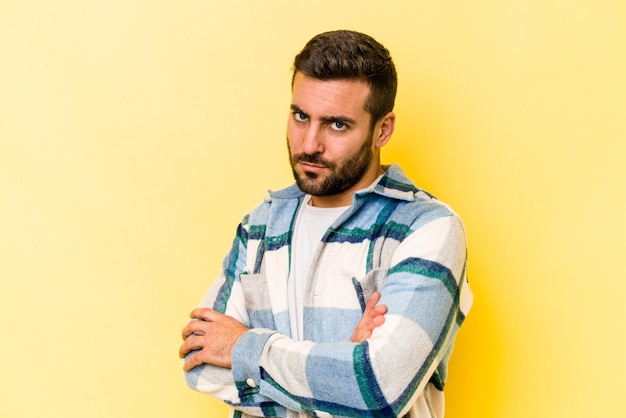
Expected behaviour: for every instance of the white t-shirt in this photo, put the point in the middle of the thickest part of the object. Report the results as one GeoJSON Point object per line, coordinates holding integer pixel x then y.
{"type": "Point", "coordinates": [311, 225]}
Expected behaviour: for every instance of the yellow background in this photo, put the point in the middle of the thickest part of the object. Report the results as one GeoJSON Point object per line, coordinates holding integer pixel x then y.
{"type": "Point", "coordinates": [135, 134]}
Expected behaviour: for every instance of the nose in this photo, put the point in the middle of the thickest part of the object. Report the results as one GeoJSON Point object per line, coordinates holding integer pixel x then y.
{"type": "Point", "coordinates": [312, 140]}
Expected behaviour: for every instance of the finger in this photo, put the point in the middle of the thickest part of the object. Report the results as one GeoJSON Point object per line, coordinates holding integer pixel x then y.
{"type": "Point", "coordinates": [201, 313]}
{"type": "Point", "coordinates": [192, 361]}
{"type": "Point", "coordinates": [195, 326]}
{"type": "Point", "coordinates": [377, 321]}
{"type": "Point", "coordinates": [380, 309]}
{"type": "Point", "coordinates": [183, 350]}
{"type": "Point", "coordinates": [193, 343]}
{"type": "Point", "coordinates": [190, 344]}
{"type": "Point", "coordinates": [371, 303]}
{"type": "Point", "coordinates": [206, 314]}
{"type": "Point", "coordinates": [187, 331]}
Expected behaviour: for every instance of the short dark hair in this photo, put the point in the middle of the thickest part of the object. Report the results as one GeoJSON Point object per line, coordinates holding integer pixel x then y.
{"type": "Point", "coordinates": [351, 55]}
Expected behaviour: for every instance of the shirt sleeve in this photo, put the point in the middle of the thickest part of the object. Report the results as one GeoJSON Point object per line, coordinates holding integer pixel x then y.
{"type": "Point", "coordinates": [226, 296]}
{"type": "Point", "coordinates": [427, 295]}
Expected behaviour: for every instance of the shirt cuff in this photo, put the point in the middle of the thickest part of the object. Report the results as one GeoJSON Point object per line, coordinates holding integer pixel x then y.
{"type": "Point", "coordinates": [246, 357]}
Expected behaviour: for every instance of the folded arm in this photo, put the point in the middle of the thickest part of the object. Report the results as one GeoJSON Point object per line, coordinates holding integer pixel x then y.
{"type": "Point", "coordinates": [379, 375]}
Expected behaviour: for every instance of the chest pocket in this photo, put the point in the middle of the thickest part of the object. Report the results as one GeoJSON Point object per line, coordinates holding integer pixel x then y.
{"type": "Point", "coordinates": [257, 300]}
{"type": "Point", "coordinates": [372, 282]}
{"type": "Point", "coordinates": [376, 277]}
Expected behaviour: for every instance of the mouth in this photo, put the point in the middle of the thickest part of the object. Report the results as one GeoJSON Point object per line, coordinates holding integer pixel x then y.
{"type": "Point", "coordinates": [312, 167]}
{"type": "Point", "coordinates": [312, 164]}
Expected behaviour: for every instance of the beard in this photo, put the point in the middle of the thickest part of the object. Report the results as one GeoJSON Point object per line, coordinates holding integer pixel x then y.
{"type": "Point", "coordinates": [343, 174]}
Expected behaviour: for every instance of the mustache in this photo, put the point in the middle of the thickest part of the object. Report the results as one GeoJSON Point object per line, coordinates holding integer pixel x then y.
{"type": "Point", "coordinates": [312, 159]}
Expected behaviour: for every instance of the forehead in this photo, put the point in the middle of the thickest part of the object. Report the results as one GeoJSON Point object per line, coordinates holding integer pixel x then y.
{"type": "Point", "coordinates": [330, 97]}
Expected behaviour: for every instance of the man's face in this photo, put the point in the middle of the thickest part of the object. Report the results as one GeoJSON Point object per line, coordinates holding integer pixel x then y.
{"type": "Point", "coordinates": [330, 139]}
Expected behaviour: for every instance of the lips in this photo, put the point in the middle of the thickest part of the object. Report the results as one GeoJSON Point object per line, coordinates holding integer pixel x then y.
{"type": "Point", "coordinates": [311, 167]}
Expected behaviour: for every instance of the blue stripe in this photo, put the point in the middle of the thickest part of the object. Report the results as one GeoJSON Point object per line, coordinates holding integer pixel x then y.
{"type": "Point", "coordinates": [359, 293]}
{"type": "Point", "coordinates": [388, 183]}
{"type": "Point", "coordinates": [419, 376]}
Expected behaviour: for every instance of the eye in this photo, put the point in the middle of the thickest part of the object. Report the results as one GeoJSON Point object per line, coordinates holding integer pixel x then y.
{"type": "Point", "coordinates": [300, 117]}
{"type": "Point", "coordinates": [338, 126]}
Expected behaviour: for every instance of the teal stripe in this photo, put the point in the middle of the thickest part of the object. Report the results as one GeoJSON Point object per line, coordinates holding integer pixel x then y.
{"type": "Point", "coordinates": [276, 242]}
{"type": "Point", "coordinates": [427, 268]}
{"type": "Point", "coordinates": [362, 377]}
{"type": "Point", "coordinates": [269, 380]}
{"type": "Point", "coordinates": [223, 295]}
{"type": "Point", "coordinates": [389, 183]}
{"type": "Point", "coordinates": [257, 232]}
{"type": "Point", "coordinates": [389, 229]}
{"type": "Point", "coordinates": [368, 385]}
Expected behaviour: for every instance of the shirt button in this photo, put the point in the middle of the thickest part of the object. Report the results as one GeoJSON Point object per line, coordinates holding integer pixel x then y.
{"type": "Point", "coordinates": [250, 382]}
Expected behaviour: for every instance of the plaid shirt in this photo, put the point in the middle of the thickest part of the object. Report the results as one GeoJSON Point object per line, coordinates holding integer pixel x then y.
{"type": "Point", "coordinates": [395, 238]}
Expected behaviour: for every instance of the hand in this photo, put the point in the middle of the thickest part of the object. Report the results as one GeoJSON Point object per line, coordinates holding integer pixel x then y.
{"type": "Point", "coordinates": [373, 317]}
{"type": "Point", "coordinates": [212, 336]}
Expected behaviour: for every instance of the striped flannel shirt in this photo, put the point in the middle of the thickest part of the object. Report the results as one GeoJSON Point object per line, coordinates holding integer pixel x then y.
{"type": "Point", "coordinates": [395, 238]}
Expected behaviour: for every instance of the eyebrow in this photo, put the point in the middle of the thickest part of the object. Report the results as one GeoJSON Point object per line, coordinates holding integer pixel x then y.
{"type": "Point", "coordinates": [327, 119]}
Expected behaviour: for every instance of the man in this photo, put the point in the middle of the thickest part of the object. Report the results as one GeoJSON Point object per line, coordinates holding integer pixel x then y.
{"type": "Point", "coordinates": [342, 294]}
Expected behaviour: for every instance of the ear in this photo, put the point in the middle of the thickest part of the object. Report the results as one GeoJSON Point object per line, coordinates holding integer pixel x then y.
{"type": "Point", "coordinates": [384, 129]}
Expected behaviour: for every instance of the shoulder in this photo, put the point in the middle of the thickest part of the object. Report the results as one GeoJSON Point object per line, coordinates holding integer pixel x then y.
{"type": "Point", "coordinates": [276, 207]}
{"type": "Point", "coordinates": [407, 203]}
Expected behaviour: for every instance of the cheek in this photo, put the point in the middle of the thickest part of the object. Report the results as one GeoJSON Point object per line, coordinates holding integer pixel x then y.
{"type": "Point", "coordinates": [292, 135]}
{"type": "Point", "coordinates": [344, 148]}
{"type": "Point", "coordinates": [291, 145]}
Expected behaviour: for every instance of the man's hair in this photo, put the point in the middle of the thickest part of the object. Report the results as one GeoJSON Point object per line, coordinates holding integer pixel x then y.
{"type": "Point", "coordinates": [350, 55]}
